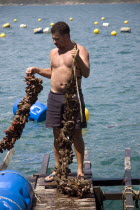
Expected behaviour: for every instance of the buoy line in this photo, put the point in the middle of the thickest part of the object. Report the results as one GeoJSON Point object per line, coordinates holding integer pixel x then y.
{"type": "Point", "coordinates": [13, 133]}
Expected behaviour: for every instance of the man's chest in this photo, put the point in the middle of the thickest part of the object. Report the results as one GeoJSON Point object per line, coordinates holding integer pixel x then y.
{"type": "Point", "coordinates": [59, 60]}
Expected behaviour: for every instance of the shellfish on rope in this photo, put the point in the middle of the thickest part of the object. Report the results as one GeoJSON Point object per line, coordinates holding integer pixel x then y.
{"type": "Point", "coordinates": [13, 133]}
{"type": "Point", "coordinates": [70, 186]}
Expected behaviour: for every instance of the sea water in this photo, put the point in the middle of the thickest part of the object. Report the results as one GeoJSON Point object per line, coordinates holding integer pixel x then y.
{"type": "Point", "coordinates": [111, 92]}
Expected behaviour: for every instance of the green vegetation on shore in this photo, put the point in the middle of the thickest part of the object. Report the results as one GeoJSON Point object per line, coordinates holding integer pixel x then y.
{"type": "Point", "coordinates": [4, 2]}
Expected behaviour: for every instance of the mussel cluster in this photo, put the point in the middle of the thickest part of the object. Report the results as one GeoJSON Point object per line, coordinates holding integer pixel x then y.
{"type": "Point", "coordinates": [13, 133]}
{"type": "Point", "coordinates": [70, 186]}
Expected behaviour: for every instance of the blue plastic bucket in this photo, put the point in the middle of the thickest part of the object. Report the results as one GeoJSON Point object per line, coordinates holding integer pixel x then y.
{"type": "Point", "coordinates": [37, 111]}
{"type": "Point", "coordinates": [15, 191]}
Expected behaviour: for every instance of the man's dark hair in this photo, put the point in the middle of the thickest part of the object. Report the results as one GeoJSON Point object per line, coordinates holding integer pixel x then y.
{"type": "Point", "coordinates": [60, 27]}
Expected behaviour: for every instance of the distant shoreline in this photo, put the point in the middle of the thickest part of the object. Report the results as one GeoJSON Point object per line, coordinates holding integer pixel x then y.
{"type": "Point", "coordinates": [68, 3]}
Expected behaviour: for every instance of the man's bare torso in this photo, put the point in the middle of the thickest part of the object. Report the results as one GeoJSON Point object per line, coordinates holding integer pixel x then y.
{"type": "Point", "coordinates": [61, 65]}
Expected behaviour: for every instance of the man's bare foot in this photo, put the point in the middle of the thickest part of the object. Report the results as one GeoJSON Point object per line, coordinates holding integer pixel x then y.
{"type": "Point", "coordinates": [80, 175]}
{"type": "Point", "coordinates": [50, 178]}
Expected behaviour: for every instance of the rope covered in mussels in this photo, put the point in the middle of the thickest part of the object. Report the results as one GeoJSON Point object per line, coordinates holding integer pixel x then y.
{"type": "Point", "coordinates": [13, 133]}
{"type": "Point", "coordinates": [70, 186]}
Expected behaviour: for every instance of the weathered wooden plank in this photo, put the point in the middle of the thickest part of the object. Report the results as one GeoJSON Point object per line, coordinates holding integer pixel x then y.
{"type": "Point", "coordinates": [112, 195]}
{"type": "Point", "coordinates": [113, 181]}
{"type": "Point", "coordinates": [50, 198]}
{"type": "Point", "coordinates": [99, 198]}
{"type": "Point", "coordinates": [128, 196]}
{"type": "Point", "coordinates": [45, 164]}
{"type": "Point", "coordinates": [7, 159]}
{"type": "Point", "coordinates": [33, 181]}
{"type": "Point", "coordinates": [87, 163]}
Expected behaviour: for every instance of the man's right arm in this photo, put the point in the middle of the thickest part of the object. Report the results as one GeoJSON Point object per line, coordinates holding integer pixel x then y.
{"type": "Point", "coordinates": [43, 72]}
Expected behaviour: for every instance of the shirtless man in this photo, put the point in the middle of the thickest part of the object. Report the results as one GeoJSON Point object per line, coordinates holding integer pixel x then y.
{"type": "Point", "coordinates": [60, 71]}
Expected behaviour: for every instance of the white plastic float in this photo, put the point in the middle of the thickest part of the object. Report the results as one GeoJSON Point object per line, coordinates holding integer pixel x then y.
{"type": "Point", "coordinates": [105, 24]}
{"type": "Point", "coordinates": [23, 25]}
{"type": "Point", "coordinates": [125, 29]}
{"type": "Point", "coordinates": [46, 30]}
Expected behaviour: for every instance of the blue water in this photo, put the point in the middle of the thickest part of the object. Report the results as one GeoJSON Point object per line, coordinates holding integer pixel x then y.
{"type": "Point", "coordinates": [112, 91]}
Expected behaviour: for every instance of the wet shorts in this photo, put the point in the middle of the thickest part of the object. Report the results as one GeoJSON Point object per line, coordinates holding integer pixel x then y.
{"type": "Point", "coordinates": [55, 110]}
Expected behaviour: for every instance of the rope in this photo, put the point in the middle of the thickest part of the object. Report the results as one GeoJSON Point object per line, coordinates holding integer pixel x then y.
{"type": "Point", "coordinates": [76, 80]}
{"type": "Point", "coordinates": [134, 193]}
{"type": "Point", "coordinates": [124, 196]}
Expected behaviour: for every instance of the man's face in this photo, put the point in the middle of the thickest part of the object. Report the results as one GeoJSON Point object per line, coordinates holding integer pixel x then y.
{"type": "Point", "coordinates": [59, 40]}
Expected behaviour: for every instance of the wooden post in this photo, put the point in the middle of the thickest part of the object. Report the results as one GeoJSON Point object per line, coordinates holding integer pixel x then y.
{"type": "Point", "coordinates": [45, 164]}
{"type": "Point", "coordinates": [128, 196]}
{"type": "Point", "coordinates": [99, 197]}
{"type": "Point", "coordinates": [87, 163]}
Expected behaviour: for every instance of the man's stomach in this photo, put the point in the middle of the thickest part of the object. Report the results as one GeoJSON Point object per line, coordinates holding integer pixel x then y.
{"type": "Point", "coordinates": [59, 79]}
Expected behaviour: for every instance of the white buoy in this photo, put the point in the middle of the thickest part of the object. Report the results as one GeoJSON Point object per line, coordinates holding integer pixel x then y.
{"type": "Point", "coordinates": [105, 24]}
{"type": "Point", "coordinates": [23, 25]}
{"type": "Point", "coordinates": [125, 29]}
{"type": "Point", "coordinates": [46, 30]}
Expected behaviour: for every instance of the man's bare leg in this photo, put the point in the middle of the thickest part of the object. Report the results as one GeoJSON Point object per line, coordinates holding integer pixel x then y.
{"type": "Point", "coordinates": [56, 153]}
{"type": "Point", "coordinates": [79, 149]}
{"type": "Point", "coordinates": [56, 133]}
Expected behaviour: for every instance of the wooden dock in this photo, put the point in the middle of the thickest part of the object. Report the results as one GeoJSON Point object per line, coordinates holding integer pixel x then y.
{"type": "Point", "coordinates": [48, 197]}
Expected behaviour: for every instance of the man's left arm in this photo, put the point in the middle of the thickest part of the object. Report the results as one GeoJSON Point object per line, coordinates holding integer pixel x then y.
{"type": "Point", "coordinates": [82, 59]}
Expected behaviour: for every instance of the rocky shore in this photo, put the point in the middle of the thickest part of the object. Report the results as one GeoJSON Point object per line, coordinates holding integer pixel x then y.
{"type": "Point", "coordinates": [61, 2]}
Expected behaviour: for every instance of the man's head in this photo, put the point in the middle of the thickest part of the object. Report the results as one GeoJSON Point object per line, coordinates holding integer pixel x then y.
{"type": "Point", "coordinates": [61, 27]}
{"type": "Point", "coordinates": [60, 34]}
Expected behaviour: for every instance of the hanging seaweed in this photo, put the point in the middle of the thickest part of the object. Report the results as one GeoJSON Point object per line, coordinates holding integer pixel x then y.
{"type": "Point", "coordinates": [13, 133]}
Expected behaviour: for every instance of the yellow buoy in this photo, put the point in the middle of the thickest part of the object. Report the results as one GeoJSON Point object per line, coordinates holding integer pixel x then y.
{"type": "Point", "coordinates": [51, 24]}
{"type": "Point", "coordinates": [87, 114]}
{"type": "Point", "coordinates": [39, 19]}
{"type": "Point", "coordinates": [96, 31]}
{"type": "Point", "coordinates": [15, 20]}
{"type": "Point", "coordinates": [102, 18]}
{"type": "Point", "coordinates": [113, 33]}
{"type": "Point", "coordinates": [2, 35]}
{"type": "Point", "coordinates": [126, 22]}
{"type": "Point", "coordinates": [96, 23]}
{"type": "Point", "coordinates": [6, 25]}
{"type": "Point", "coordinates": [70, 19]}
